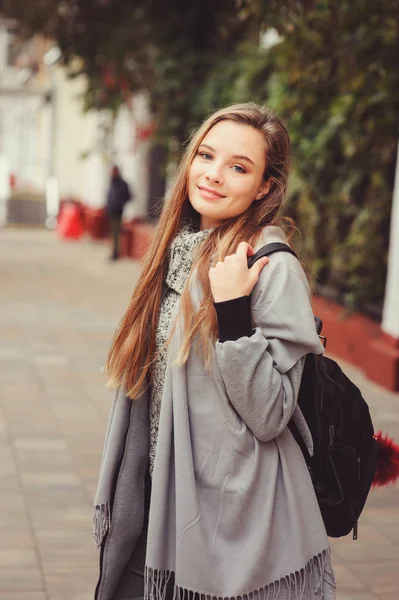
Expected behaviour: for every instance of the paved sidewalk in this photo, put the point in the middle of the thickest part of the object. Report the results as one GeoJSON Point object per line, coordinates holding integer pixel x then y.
{"type": "Point", "coordinates": [59, 305]}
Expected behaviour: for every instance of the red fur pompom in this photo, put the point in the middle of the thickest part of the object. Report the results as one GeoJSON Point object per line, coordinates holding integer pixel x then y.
{"type": "Point", "coordinates": [387, 470]}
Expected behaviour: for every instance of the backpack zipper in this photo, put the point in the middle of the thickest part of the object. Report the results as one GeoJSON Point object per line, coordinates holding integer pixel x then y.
{"type": "Point", "coordinates": [331, 433]}
{"type": "Point", "coordinates": [355, 527]}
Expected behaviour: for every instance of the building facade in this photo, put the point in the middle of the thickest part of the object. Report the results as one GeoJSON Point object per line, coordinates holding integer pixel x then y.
{"type": "Point", "coordinates": [46, 138]}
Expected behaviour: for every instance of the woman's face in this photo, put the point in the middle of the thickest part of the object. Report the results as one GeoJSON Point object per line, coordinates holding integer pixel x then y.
{"type": "Point", "coordinates": [226, 174]}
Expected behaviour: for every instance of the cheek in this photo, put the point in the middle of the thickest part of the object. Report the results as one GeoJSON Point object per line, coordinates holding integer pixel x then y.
{"type": "Point", "coordinates": [245, 188]}
{"type": "Point", "coordinates": [194, 172]}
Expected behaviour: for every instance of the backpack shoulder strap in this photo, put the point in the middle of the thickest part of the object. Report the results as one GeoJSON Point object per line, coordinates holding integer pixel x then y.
{"type": "Point", "coordinates": [268, 250]}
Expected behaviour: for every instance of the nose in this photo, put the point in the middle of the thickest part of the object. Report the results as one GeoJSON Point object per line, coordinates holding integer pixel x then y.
{"type": "Point", "coordinates": [214, 174]}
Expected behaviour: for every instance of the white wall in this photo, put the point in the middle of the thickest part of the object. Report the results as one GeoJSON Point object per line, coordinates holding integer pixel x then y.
{"type": "Point", "coordinates": [390, 315]}
{"type": "Point", "coordinates": [73, 134]}
{"type": "Point", "coordinates": [37, 138]}
{"type": "Point", "coordinates": [77, 132]}
{"type": "Point", "coordinates": [4, 189]}
{"type": "Point", "coordinates": [4, 37]}
{"type": "Point", "coordinates": [20, 126]}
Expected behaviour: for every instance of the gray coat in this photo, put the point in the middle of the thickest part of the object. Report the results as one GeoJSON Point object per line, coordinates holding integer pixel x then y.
{"type": "Point", "coordinates": [245, 403]}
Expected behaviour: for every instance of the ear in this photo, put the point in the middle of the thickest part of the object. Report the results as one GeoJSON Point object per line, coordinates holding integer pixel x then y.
{"type": "Point", "coordinates": [264, 189]}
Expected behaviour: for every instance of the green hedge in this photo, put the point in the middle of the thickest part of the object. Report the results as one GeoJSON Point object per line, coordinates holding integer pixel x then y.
{"type": "Point", "coordinates": [336, 85]}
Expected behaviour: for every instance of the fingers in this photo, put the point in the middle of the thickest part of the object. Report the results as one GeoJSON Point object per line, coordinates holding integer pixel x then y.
{"type": "Point", "coordinates": [230, 278]}
{"type": "Point", "coordinates": [244, 249]}
{"type": "Point", "coordinates": [258, 266]}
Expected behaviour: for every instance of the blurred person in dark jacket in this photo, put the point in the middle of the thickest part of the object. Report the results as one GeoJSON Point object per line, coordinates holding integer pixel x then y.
{"type": "Point", "coordinates": [118, 195]}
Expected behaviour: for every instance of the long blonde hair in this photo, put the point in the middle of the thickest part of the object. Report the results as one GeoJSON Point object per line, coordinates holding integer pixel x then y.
{"type": "Point", "coordinates": [133, 347]}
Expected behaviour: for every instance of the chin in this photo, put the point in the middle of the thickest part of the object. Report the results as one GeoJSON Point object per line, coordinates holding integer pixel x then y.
{"type": "Point", "coordinates": [202, 208]}
{"type": "Point", "coordinates": [212, 214]}
{"type": "Point", "coordinates": [208, 209]}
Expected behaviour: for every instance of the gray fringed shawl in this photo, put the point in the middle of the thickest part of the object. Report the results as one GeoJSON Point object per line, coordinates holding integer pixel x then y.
{"type": "Point", "coordinates": [233, 512]}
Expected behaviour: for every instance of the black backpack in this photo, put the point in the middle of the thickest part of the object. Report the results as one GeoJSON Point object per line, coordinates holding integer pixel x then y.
{"type": "Point", "coordinates": [345, 450]}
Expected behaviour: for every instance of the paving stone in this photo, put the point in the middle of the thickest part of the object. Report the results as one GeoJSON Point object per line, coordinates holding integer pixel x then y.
{"type": "Point", "coordinates": [22, 595]}
{"type": "Point", "coordinates": [61, 586]}
{"type": "Point", "coordinates": [18, 556]}
{"type": "Point", "coordinates": [69, 560]}
{"type": "Point", "coordinates": [10, 521]}
{"type": "Point", "coordinates": [69, 517]}
{"type": "Point", "coordinates": [381, 577]}
{"type": "Point", "coordinates": [67, 480]}
{"type": "Point", "coordinates": [8, 467]}
{"type": "Point", "coordinates": [344, 595]}
{"type": "Point", "coordinates": [49, 539]}
{"type": "Point", "coordinates": [370, 545]}
{"type": "Point", "coordinates": [347, 580]}
{"type": "Point", "coordinates": [390, 530]}
{"type": "Point", "coordinates": [16, 579]}
{"type": "Point", "coordinates": [18, 537]}
{"type": "Point", "coordinates": [11, 502]}
{"type": "Point", "coordinates": [73, 595]}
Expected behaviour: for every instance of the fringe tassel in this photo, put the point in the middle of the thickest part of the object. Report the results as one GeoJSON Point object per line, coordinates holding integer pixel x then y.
{"type": "Point", "coordinates": [306, 584]}
{"type": "Point", "coordinates": [101, 521]}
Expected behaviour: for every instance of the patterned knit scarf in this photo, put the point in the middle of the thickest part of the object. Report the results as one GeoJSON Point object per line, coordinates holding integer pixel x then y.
{"type": "Point", "coordinates": [181, 254]}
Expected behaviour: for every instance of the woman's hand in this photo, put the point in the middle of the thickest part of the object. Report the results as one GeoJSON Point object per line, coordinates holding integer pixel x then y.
{"type": "Point", "coordinates": [231, 278]}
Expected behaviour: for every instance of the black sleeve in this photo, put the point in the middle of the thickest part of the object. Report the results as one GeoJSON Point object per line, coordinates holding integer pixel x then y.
{"type": "Point", "coordinates": [234, 319]}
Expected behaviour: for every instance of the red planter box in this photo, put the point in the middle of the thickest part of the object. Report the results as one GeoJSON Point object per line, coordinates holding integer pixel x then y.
{"type": "Point", "coordinates": [124, 241]}
{"type": "Point", "coordinates": [134, 239]}
{"type": "Point", "coordinates": [359, 340]}
{"type": "Point", "coordinates": [95, 222]}
{"type": "Point", "coordinates": [140, 238]}
{"type": "Point", "coordinates": [69, 221]}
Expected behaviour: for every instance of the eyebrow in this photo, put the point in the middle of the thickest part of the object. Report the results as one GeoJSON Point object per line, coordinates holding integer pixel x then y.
{"type": "Point", "coordinates": [238, 156]}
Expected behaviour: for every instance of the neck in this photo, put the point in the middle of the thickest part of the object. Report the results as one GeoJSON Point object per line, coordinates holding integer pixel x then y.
{"type": "Point", "coordinates": [207, 223]}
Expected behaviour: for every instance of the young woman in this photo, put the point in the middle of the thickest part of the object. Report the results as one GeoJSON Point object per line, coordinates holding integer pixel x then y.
{"type": "Point", "coordinates": [203, 491]}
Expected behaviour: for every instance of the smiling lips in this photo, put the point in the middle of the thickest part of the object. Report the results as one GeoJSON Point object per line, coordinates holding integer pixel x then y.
{"type": "Point", "coordinates": [210, 194]}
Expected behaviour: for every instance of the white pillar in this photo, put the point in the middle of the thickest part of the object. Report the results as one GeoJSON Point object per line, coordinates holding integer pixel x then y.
{"type": "Point", "coordinates": [97, 166]}
{"type": "Point", "coordinates": [4, 189]}
{"type": "Point", "coordinates": [96, 180]}
{"type": "Point", "coordinates": [4, 41]}
{"type": "Point", "coordinates": [390, 315]}
{"type": "Point", "coordinates": [132, 155]}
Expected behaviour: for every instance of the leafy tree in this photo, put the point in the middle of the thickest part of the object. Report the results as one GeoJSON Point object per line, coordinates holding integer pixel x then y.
{"type": "Point", "coordinates": [166, 47]}
{"type": "Point", "coordinates": [334, 79]}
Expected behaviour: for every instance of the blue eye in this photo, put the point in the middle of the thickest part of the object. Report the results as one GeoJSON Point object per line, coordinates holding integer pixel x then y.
{"type": "Point", "coordinates": [241, 170]}
{"type": "Point", "coordinates": [205, 155]}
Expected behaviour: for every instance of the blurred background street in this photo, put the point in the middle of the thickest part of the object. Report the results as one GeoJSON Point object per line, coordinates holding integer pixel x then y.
{"type": "Point", "coordinates": [57, 317]}
{"type": "Point", "coordinates": [86, 87]}
{"type": "Point", "coordinates": [59, 305]}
